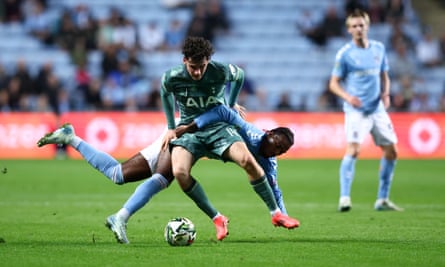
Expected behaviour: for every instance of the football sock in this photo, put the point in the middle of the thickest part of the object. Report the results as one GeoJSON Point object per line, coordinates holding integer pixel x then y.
{"type": "Point", "coordinates": [123, 214]}
{"type": "Point", "coordinates": [386, 172]}
{"type": "Point", "coordinates": [262, 188]}
{"type": "Point", "coordinates": [347, 171]}
{"type": "Point", "coordinates": [102, 162]}
{"type": "Point", "coordinates": [197, 194]}
{"type": "Point", "coordinates": [144, 192]}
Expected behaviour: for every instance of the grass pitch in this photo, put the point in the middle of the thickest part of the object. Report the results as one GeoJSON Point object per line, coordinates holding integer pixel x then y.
{"type": "Point", "coordinates": [52, 213]}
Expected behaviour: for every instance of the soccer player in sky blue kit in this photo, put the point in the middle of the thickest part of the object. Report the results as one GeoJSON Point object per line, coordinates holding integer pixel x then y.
{"type": "Point", "coordinates": [152, 160]}
{"type": "Point", "coordinates": [361, 67]}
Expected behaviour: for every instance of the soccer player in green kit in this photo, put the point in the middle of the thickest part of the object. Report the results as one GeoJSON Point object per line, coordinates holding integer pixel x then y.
{"type": "Point", "coordinates": [198, 85]}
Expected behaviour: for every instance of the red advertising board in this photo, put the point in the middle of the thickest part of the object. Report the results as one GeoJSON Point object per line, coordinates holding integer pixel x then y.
{"type": "Point", "coordinates": [121, 134]}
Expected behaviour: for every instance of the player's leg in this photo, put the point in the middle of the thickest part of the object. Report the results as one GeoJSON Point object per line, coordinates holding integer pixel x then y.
{"type": "Point", "coordinates": [143, 193]}
{"type": "Point", "coordinates": [134, 169]}
{"type": "Point", "coordinates": [150, 187]}
{"type": "Point", "coordinates": [100, 160]}
{"type": "Point", "coordinates": [182, 161]}
{"type": "Point", "coordinates": [357, 127]}
{"type": "Point", "coordinates": [347, 173]}
{"type": "Point", "coordinates": [386, 138]}
{"type": "Point", "coordinates": [239, 153]}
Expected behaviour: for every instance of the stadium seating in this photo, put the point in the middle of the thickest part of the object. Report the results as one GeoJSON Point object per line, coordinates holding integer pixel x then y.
{"type": "Point", "coordinates": [263, 38]}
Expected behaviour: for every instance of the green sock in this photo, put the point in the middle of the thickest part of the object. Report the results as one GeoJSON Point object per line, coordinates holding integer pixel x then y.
{"type": "Point", "coordinates": [197, 194]}
{"type": "Point", "coordinates": [262, 188]}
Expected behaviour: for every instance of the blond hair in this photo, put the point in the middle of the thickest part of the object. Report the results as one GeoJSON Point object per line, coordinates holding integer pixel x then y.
{"type": "Point", "coordinates": [357, 14]}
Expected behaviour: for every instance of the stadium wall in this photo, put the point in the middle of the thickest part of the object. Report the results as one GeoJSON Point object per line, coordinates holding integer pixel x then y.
{"type": "Point", "coordinates": [317, 135]}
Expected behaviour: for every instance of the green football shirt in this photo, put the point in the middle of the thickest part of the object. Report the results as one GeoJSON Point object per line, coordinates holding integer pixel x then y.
{"type": "Point", "coordinates": [195, 97]}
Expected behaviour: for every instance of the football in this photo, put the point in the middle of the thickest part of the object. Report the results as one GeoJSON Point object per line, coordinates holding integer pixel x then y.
{"type": "Point", "coordinates": [180, 231]}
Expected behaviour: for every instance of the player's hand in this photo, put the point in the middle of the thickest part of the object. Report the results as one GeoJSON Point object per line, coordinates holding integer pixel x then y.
{"type": "Point", "coordinates": [241, 110]}
{"type": "Point", "coordinates": [170, 135]}
{"type": "Point", "coordinates": [182, 129]}
{"type": "Point", "coordinates": [354, 101]}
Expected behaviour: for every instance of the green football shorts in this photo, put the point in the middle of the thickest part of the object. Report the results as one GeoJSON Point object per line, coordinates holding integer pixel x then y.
{"type": "Point", "coordinates": [210, 141]}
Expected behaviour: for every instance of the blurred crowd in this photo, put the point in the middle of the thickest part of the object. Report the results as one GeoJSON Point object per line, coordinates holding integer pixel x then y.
{"type": "Point", "coordinates": [122, 82]}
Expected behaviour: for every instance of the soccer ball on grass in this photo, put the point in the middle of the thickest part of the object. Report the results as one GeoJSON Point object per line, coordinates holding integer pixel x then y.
{"type": "Point", "coordinates": [180, 231]}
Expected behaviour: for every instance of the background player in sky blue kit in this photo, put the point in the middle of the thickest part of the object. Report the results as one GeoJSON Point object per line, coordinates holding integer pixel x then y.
{"type": "Point", "coordinates": [361, 67]}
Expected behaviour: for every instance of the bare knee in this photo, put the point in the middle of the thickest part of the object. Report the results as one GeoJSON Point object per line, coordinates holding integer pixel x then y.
{"type": "Point", "coordinates": [353, 150]}
{"type": "Point", "coordinates": [390, 152]}
{"type": "Point", "coordinates": [248, 163]}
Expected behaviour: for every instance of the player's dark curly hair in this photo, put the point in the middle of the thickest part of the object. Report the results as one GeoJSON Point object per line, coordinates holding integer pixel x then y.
{"type": "Point", "coordinates": [286, 132]}
{"type": "Point", "coordinates": [197, 48]}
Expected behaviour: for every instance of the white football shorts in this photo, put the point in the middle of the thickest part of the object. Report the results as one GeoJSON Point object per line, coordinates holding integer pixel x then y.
{"type": "Point", "coordinates": [151, 152]}
{"type": "Point", "coordinates": [379, 125]}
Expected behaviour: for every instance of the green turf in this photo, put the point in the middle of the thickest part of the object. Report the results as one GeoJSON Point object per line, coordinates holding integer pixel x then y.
{"type": "Point", "coordinates": [52, 213]}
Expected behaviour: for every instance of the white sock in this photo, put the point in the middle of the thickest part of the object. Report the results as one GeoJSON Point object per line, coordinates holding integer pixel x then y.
{"type": "Point", "coordinates": [123, 214]}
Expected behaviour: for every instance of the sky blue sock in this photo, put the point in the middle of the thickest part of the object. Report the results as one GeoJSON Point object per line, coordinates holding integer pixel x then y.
{"type": "Point", "coordinates": [385, 176]}
{"type": "Point", "coordinates": [347, 171]}
{"type": "Point", "coordinates": [144, 192]}
{"type": "Point", "coordinates": [102, 162]}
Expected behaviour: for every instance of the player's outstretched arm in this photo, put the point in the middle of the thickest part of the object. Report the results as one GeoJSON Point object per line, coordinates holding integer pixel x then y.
{"type": "Point", "coordinates": [220, 113]}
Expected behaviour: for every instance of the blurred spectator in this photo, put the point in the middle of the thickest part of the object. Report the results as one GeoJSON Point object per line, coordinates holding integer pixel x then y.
{"type": "Point", "coordinates": [327, 101]}
{"type": "Point", "coordinates": [26, 86]}
{"type": "Point", "coordinates": [109, 60]}
{"type": "Point", "coordinates": [428, 51]}
{"type": "Point", "coordinates": [42, 104]}
{"type": "Point", "coordinates": [14, 94]}
{"type": "Point", "coordinates": [39, 24]}
{"type": "Point", "coordinates": [133, 58]}
{"type": "Point", "coordinates": [402, 97]}
{"type": "Point", "coordinates": [112, 95]}
{"type": "Point", "coordinates": [4, 101]}
{"type": "Point", "coordinates": [197, 25]}
{"type": "Point", "coordinates": [306, 21]}
{"type": "Point", "coordinates": [154, 102]}
{"type": "Point", "coordinates": [401, 61]}
{"type": "Point", "coordinates": [53, 90]}
{"type": "Point", "coordinates": [352, 5]}
{"type": "Point", "coordinates": [41, 80]}
{"type": "Point", "coordinates": [284, 103]}
{"type": "Point", "coordinates": [92, 97]}
{"type": "Point", "coordinates": [442, 102]}
{"type": "Point", "coordinates": [4, 77]}
{"type": "Point", "coordinates": [376, 12]}
{"type": "Point", "coordinates": [395, 11]}
{"type": "Point", "coordinates": [307, 24]}
{"type": "Point", "coordinates": [332, 25]}
{"type": "Point", "coordinates": [104, 34]}
{"type": "Point", "coordinates": [12, 11]}
{"type": "Point", "coordinates": [420, 103]}
{"type": "Point", "coordinates": [151, 36]}
{"type": "Point", "coordinates": [216, 22]}
{"type": "Point", "coordinates": [87, 26]}
{"type": "Point", "coordinates": [442, 46]}
{"type": "Point", "coordinates": [399, 35]}
{"type": "Point", "coordinates": [174, 35]}
{"type": "Point", "coordinates": [67, 32]}
{"type": "Point", "coordinates": [124, 34]}
{"type": "Point", "coordinates": [250, 96]}
{"type": "Point", "coordinates": [82, 82]}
